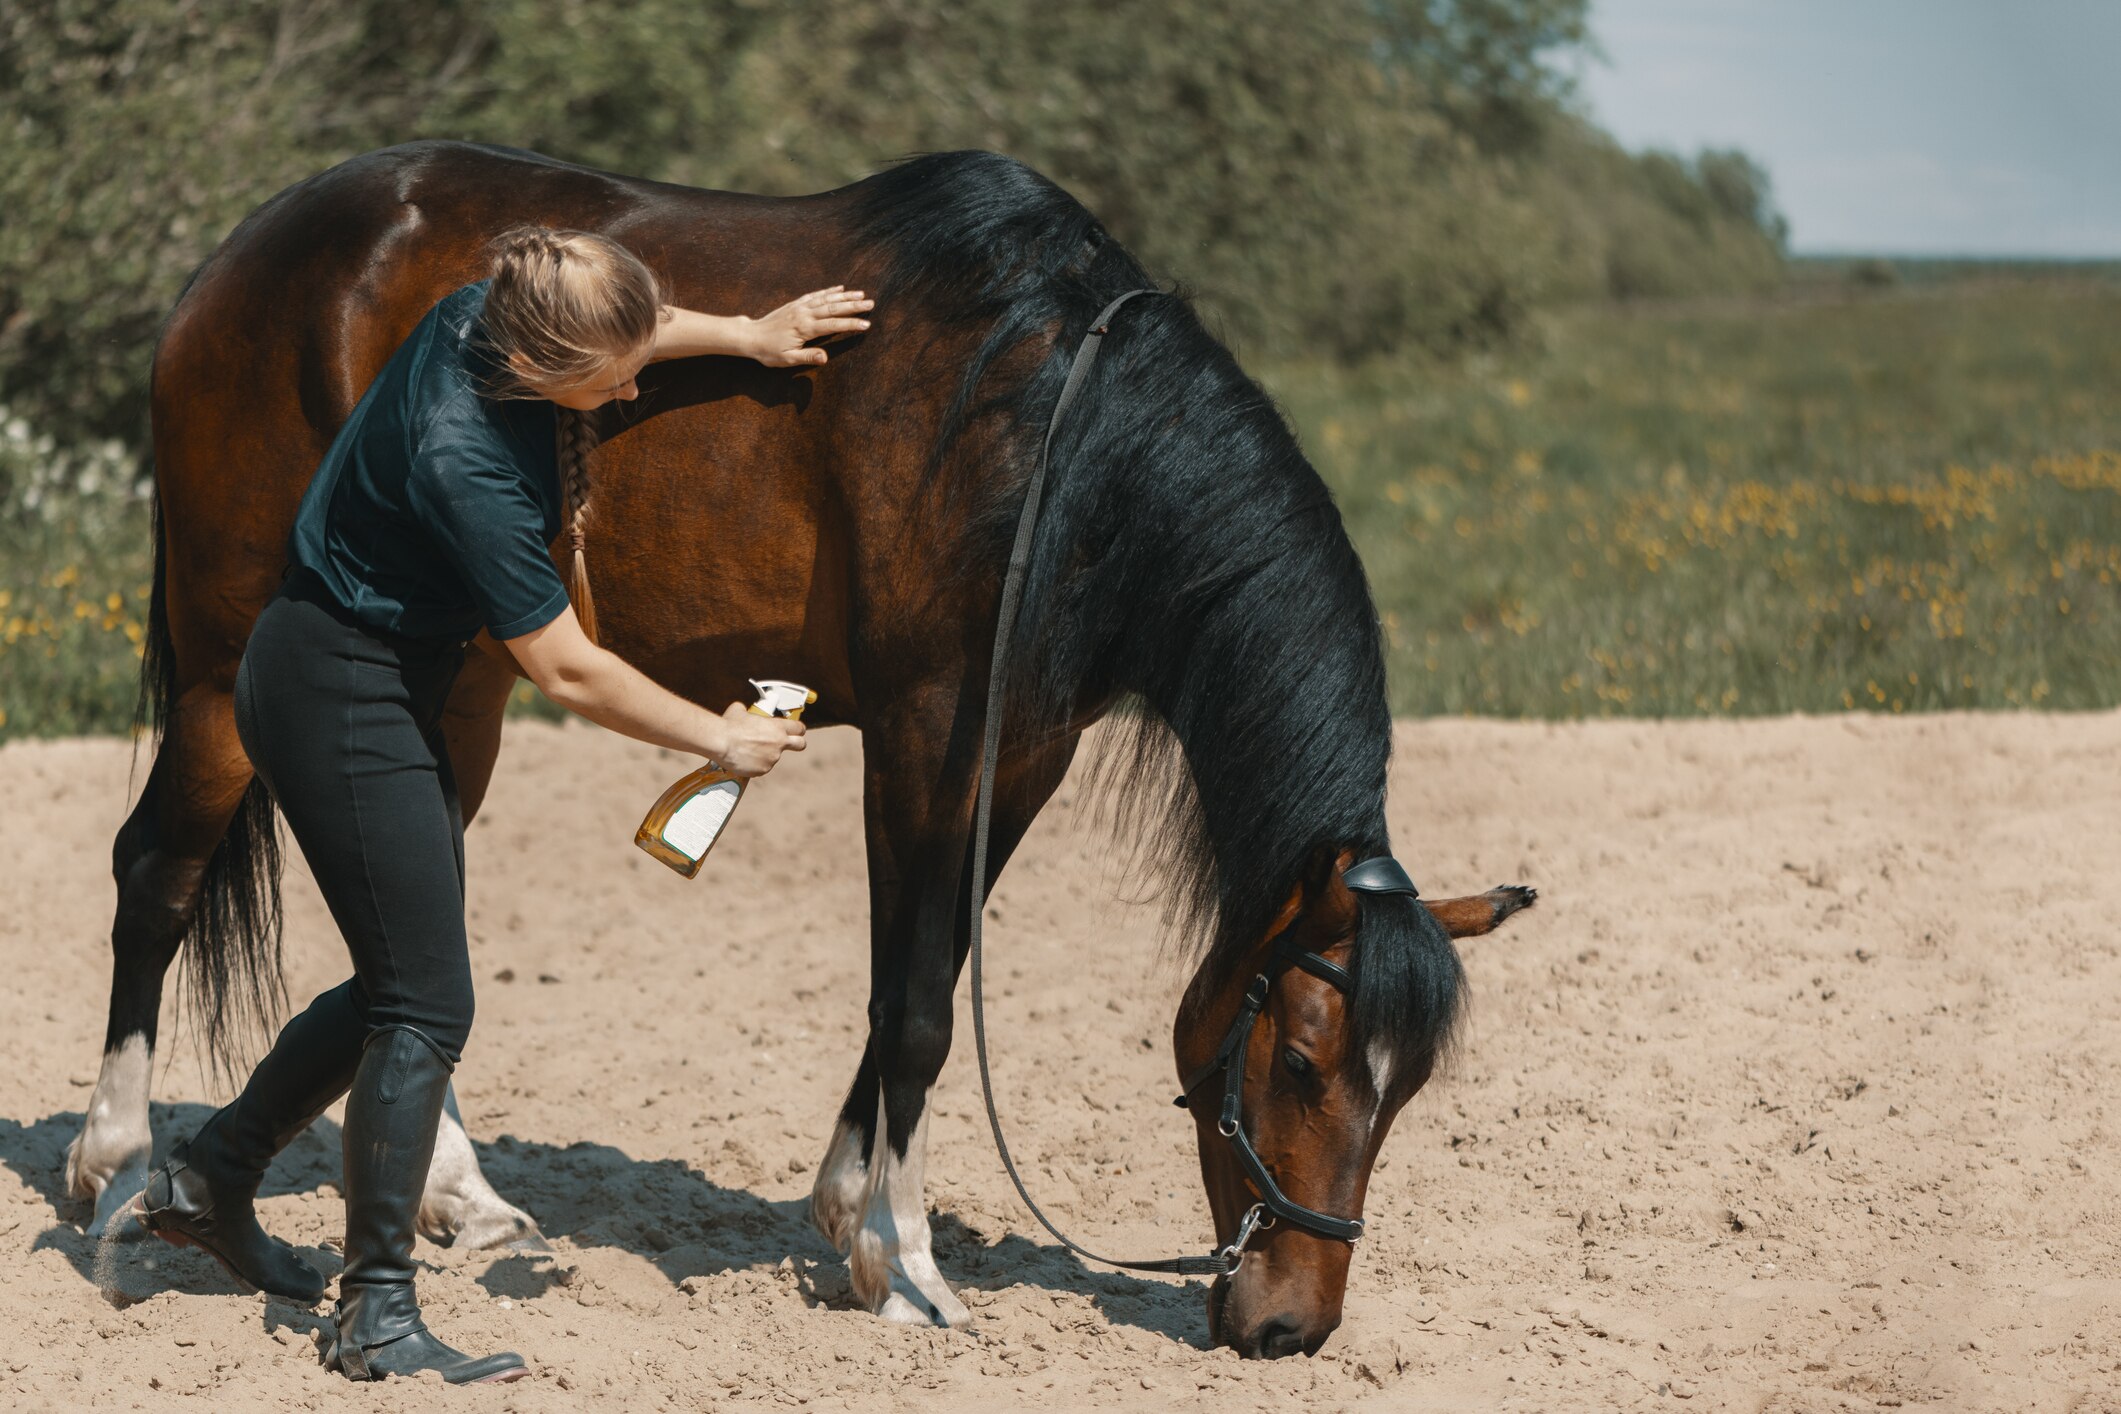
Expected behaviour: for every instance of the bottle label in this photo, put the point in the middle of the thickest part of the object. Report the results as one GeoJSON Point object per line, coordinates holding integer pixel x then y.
{"type": "Point", "coordinates": [694, 825]}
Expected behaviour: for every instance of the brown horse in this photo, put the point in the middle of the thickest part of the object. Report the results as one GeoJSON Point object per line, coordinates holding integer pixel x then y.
{"type": "Point", "coordinates": [847, 528]}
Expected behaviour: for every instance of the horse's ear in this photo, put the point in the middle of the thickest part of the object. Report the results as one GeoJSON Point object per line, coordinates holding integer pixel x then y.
{"type": "Point", "coordinates": [1329, 904]}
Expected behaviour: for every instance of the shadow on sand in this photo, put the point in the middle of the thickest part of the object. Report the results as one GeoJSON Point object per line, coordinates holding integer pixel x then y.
{"type": "Point", "coordinates": [36, 1152]}
{"type": "Point", "coordinates": [665, 1212]}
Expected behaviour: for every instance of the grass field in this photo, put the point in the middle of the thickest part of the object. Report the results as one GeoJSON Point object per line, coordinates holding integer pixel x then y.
{"type": "Point", "coordinates": [1899, 500]}
{"type": "Point", "coordinates": [74, 582]}
{"type": "Point", "coordinates": [1902, 501]}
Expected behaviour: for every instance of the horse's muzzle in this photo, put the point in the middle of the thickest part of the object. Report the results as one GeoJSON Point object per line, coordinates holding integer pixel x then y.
{"type": "Point", "coordinates": [1269, 1335]}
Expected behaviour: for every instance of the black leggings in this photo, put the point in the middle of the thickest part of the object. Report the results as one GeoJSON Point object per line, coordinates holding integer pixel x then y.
{"type": "Point", "coordinates": [344, 727]}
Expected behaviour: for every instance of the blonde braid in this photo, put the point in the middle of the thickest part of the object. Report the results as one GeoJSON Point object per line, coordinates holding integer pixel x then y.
{"type": "Point", "coordinates": [565, 306]}
{"type": "Point", "coordinates": [577, 439]}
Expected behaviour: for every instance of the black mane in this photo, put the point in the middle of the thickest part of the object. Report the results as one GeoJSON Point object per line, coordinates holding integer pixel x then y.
{"type": "Point", "coordinates": [1188, 557]}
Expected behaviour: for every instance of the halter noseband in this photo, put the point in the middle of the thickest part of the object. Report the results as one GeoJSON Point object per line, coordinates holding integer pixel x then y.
{"type": "Point", "coordinates": [1382, 875]}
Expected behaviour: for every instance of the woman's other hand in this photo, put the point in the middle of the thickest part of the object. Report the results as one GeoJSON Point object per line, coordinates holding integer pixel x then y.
{"type": "Point", "coordinates": [779, 337]}
{"type": "Point", "coordinates": [754, 743]}
{"type": "Point", "coordinates": [598, 684]}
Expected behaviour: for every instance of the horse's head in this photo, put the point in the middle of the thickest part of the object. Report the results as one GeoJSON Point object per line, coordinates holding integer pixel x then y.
{"type": "Point", "coordinates": [1296, 1061]}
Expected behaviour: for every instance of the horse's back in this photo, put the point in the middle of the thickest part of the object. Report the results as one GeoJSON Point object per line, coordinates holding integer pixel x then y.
{"type": "Point", "coordinates": [716, 470]}
{"type": "Point", "coordinates": [325, 279]}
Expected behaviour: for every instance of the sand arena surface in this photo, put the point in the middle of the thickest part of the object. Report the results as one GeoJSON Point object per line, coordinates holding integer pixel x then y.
{"type": "Point", "coordinates": [1793, 1093]}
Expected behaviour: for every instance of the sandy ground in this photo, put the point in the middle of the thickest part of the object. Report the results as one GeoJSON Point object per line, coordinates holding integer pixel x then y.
{"type": "Point", "coordinates": [1793, 1094]}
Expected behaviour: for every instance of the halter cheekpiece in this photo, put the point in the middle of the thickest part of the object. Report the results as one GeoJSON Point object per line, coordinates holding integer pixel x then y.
{"type": "Point", "coordinates": [1382, 875]}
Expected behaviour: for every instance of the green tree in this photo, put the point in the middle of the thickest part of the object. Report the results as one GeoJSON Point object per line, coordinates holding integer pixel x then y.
{"type": "Point", "coordinates": [1341, 177]}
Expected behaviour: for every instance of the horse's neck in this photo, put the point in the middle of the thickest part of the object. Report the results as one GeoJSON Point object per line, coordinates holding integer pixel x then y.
{"type": "Point", "coordinates": [1265, 663]}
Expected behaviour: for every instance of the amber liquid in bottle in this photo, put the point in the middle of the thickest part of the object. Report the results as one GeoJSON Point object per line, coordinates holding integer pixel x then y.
{"type": "Point", "coordinates": [684, 823]}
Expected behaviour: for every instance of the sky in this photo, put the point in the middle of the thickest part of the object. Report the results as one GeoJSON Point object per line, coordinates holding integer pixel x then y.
{"type": "Point", "coordinates": [1907, 127]}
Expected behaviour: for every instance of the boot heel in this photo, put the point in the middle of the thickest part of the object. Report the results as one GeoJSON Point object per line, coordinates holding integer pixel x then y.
{"type": "Point", "coordinates": [181, 1208]}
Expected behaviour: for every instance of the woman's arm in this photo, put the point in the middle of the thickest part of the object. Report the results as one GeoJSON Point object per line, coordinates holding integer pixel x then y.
{"type": "Point", "coordinates": [775, 340]}
{"type": "Point", "coordinates": [611, 692]}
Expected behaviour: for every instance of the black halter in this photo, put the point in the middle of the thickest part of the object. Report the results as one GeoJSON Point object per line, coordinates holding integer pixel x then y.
{"type": "Point", "coordinates": [1381, 875]}
{"type": "Point", "coordinates": [1229, 1062]}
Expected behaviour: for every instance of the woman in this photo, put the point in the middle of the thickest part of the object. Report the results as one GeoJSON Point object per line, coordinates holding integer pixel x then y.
{"type": "Point", "coordinates": [428, 520]}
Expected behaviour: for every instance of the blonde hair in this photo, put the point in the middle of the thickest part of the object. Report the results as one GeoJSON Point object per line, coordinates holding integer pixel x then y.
{"type": "Point", "coordinates": [563, 305]}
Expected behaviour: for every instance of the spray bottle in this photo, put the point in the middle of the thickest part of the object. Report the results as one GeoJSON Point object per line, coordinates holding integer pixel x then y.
{"type": "Point", "coordinates": [685, 822]}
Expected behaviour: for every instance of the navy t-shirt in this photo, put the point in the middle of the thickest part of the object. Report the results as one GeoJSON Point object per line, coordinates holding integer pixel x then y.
{"type": "Point", "coordinates": [431, 514]}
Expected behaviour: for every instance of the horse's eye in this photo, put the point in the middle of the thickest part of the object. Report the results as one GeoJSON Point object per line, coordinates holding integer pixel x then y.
{"type": "Point", "coordinates": [1298, 1066]}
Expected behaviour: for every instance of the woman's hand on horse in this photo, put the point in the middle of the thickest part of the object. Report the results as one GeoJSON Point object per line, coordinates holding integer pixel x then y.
{"type": "Point", "coordinates": [755, 743]}
{"type": "Point", "coordinates": [779, 337]}
{"type": "Point", "coordinates": [776, 340]}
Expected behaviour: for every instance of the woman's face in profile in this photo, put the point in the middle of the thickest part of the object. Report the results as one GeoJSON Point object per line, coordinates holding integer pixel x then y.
{"type": "Point", "coordinates": [614, 381]}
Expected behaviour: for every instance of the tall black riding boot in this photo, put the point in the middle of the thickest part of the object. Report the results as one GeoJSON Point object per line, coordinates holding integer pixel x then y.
{"type": "Point", "coordinates": [203, 1194]}
{"type": "Point", "coordinates": [391, 1115]}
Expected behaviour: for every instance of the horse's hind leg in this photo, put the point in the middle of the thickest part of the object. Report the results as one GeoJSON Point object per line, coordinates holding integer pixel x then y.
{"type": "Point", "coordinates": [458, 1206]}
{"type": "Point", "coordinates": [159, 860]}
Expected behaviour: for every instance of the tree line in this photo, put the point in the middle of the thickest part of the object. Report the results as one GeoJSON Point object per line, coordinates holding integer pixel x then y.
{"type": "Point", "coordinates": [1336, 178]}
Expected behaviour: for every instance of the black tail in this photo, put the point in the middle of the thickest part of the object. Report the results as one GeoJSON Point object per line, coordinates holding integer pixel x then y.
{"type": "Point", "coordinates": [158, 663]}
{"type": "Point", "coordinates": [233, 989]}
{"type": "Point", "coordinates": [231, 981]}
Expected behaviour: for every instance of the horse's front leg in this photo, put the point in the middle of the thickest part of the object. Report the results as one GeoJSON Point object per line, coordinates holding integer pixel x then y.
{"type": "Point", "coordinates": [915, 822]}
{"type": "Point", "coordinates": [870, 1195]}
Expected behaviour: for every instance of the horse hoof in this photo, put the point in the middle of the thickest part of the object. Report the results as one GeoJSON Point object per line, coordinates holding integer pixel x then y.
{"type": "Point", "coordinates": [125, 1220]}
{"type": "Point", "coordinates": [503, 1226]}
{"type": "Point", "coordinates": [115, 1202]}
{"type": "Point", "coordinates": [901, 1311]}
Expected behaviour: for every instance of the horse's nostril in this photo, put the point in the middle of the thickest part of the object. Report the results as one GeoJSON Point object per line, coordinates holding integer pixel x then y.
{"type": "Point", "coordinates": [1279, 1339]}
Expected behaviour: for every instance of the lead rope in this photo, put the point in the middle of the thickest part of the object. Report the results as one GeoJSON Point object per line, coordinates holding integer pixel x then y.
{"type": "Point", "coordinates": [1225, 1260]}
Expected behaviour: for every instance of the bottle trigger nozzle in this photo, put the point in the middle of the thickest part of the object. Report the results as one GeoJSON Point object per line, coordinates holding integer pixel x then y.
{"type": "Point", "coordinates": [780, 699]}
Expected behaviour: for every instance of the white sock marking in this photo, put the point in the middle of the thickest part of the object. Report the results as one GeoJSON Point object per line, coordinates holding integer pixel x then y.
{"type": "Point", "coordinates": [842, 1180]}
{"type": "Point", "coordinates": [108, 1159]}
{"type": "Point", "coordinates": [891, 1263]}
{"type": "Point", "coordinates": [458, 1206]}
